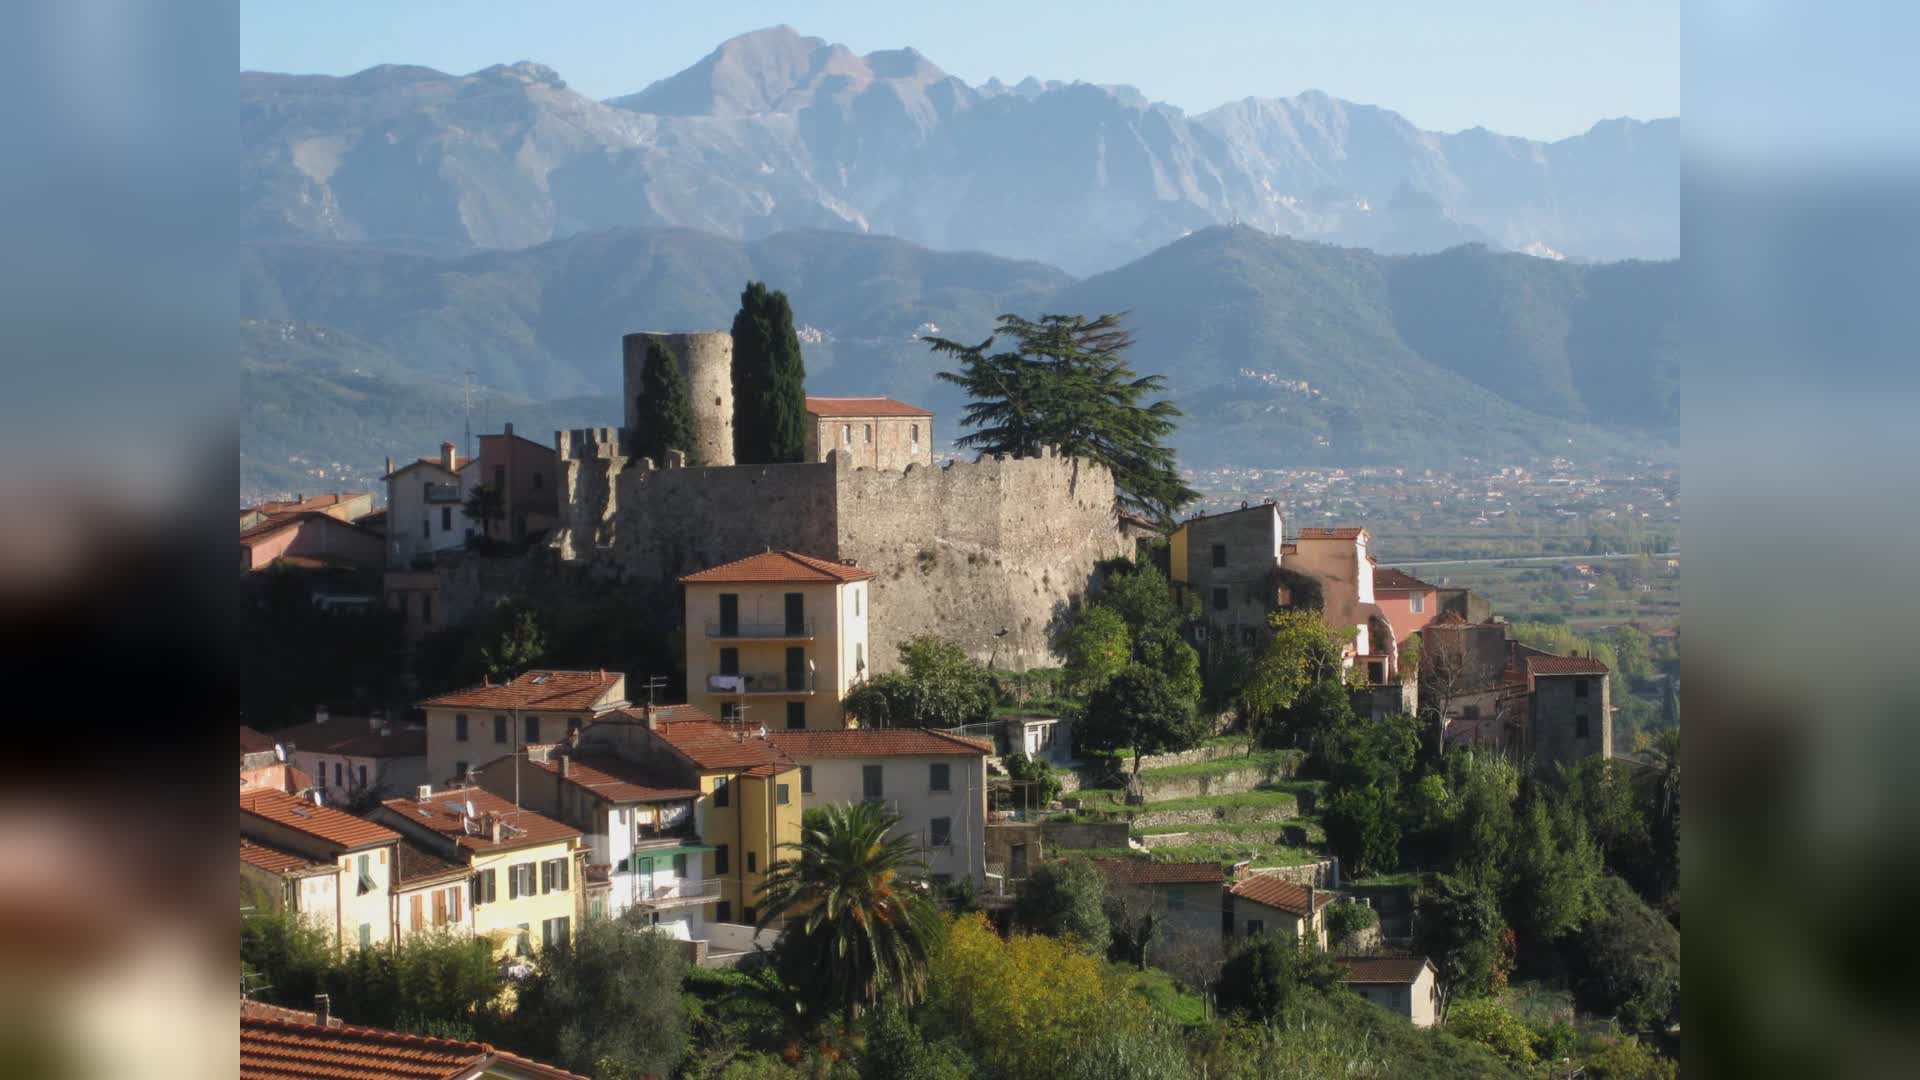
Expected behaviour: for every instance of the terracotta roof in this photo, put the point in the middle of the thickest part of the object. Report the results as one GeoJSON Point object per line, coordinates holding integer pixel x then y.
{"type": "Point", "coordinates": [713, 745]}
{"type": "Point", "coordinates": [354, 737]}
{"type": "Point", "coordinates": [778, 566]}
{"type": "Point", "coordinates": [278, 860]}
{"type": "Point", "coordinates": [862, 406]}
{"type": "Point", "coordinates": [277, 522]}
{"type": "Point", "coordinates": [875, 742]}
{"type": "Point", "coordinates": [662, 714]}
{"type": "Point", "coordinates": [1273, 891]}
{"type": "Point", "coordinates": [576, 691]}
{"type": "Point", "coordinates": [260, 1010]}
{"type": "Point", "coordinates": [458, 464]}
{"type": "Point", "coordinates": [1330, 534]}
{"type": "Point", "coordinates": [444, 810]}
{"type": "Point", "coordinates": [1382, 969]}
{"type": "Point", "coordinates": [1142, 872]}
{"type": "Point", "coordinates": [1397, 580]}
{"type": "Point", "coordinates": [313, 502]}
{"type": "Point", "coordinates": [1565, 665]}
{"type": "Point", "coordinates": [275, 1049]}
{"type": "Point", "coordinates": [254, 742]}
{"type": "Point", "coordinates": [415, 865]}
{"type": "Point", "coordinates": [615, 779]}
{"type": "Point", "coordinates": [323, 822]}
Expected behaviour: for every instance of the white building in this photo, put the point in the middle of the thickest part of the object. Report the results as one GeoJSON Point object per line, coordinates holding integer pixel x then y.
{"type": "Point", "coordinates": [1403, 985]}
{"type": "Point", "coordinates": [426, 506]}
{"type": "Point", "coordinates": [935, 782]}
{"type": "Point", "coordinates": [354, 758]}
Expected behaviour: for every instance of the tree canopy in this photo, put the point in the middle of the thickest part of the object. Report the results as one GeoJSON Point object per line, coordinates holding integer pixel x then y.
{"type": "Point", "coordinates": [1139, 709]}
{"type": "Point", "coordinates": [1065, 383]}
{"type": "Point", "coordinates": [940, 686]}
{"type": "Point", "coordinates": [577, 1008]}
{"type": "Point", "coordinates": [769, 380]}
{"type": "Point", "coordinates": [665, 414]}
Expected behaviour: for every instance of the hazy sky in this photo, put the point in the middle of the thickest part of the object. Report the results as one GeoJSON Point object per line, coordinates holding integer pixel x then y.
{"type": "Point", "coordinates": [1541, 68]}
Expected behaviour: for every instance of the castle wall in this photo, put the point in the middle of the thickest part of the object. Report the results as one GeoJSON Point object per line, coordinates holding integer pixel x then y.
{"type": "Point", "coordinates": [706, 360]}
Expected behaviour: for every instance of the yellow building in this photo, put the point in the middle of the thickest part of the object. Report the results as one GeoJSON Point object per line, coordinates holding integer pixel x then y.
{"type": "Point", "coordinates": [363, 851]}
{"type": "Point", "coordinates": [776, 639]}
{"type": "Point", "coordinates": [749, 805]}
{"type": "Point", "coordinates": [526, 887]}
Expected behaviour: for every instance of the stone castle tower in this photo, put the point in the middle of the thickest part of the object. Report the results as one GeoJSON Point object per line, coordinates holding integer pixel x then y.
{"type": "Point", "coordinates": [705, 360]}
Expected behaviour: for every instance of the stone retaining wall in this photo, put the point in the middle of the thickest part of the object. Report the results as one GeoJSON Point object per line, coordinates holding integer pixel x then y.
{"type": "Point", "coordinates": [1207, 815]}
{"type": "Point", "coordinates": [1085, 834]}
{"type": "Point", "coordinates": [1324, 874]}
{"type": "Point", "coordinates": [1209, 752]}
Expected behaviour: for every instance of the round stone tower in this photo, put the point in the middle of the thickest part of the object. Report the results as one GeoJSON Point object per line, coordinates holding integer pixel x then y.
{"type": "Point", "coordinates": [706, 361]}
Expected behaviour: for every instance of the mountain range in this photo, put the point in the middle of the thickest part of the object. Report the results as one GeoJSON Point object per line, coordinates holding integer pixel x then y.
{"type": "Point", "coordinates": [774, 132]}
{"type": "Point", "coordinates": [1282, 351]}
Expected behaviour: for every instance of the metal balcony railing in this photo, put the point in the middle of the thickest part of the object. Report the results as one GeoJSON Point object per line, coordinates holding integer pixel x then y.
{"type": "Point", "coordinates": [778, 628]}
{"type": "Point", "coordinates": [679, 893]}
{"type": "Point", "coordinates": [762, 682]}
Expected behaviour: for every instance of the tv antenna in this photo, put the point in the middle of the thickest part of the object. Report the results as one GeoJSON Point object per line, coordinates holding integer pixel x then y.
{"type": "Point", "coordinates": [656, 682]}
{"type": "Point", "coordinates": [466, 392]}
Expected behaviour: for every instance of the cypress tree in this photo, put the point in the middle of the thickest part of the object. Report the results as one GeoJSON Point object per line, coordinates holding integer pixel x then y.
{"type": "Point", "coordinates": [769, 380]}
{"type": "Point", "coordinates": [666, 413]}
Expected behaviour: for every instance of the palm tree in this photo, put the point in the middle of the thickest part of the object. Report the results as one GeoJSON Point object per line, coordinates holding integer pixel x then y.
{"type": "Point", "coordinates": [486, 504]}
{"type": "Point", "coordinates": [853, 933]}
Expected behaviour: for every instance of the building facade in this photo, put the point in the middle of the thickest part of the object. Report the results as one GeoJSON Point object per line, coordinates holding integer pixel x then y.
{"type": "Point", "coordinates": [527, 474]}
{"type": "Point", "coordinates": [873, 432]}
{"type": "Point", "coordinates": [354, 759]}
{"type": "Point", "coordinates": [777, 639]}
{"type": "Point", "coordinates": [1266, 904]}
{"type": "Point", "coordinates": [284, 880]}
{"type": "Point", "coordinates": [1406, 986]}
{"type": "Point", "coordinates": [934, 782]}
{"type": "Point", "coordinates": [426, 506]}
{"type": "Point", "coordinates": [470, 727]}
{"type": "Point", "coordinates": [364, 852]}
{"type": "Point", "coordinates": [431, 893]}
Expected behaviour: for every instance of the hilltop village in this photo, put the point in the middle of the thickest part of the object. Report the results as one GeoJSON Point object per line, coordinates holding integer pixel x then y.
{"type": "Point", "coordinates": [597, 680]}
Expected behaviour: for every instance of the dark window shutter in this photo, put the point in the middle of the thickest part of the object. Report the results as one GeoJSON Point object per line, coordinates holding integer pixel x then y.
{"type": "Point", "coordinates": [513, 883]}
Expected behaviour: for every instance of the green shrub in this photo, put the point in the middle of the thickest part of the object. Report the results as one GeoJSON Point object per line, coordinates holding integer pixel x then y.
{"type": "Point", "coordinates": [1482, 1020]}
{"type": "Point", "coordinates": [1345, 919]}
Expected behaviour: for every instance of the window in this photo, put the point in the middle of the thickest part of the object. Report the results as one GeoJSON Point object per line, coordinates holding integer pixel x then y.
{"type": "Point", "coordinates": [418, 910]}
{"type": "Point", "coordinates": [870, 786]}
{"type": "Point", "coordinates": [426, 608]}
{"type": "Point", "coordinates": [453, 904]}
{"type": "Point", "coordinates": [796, 612]}
{"type": "Point", "coordinates": [339, 777]}
{"type": "Point", "coordinates": [796, 715]}
{"type": "Point", "coordinates": [780, 796]}
{"type": "Point", "coordinates": [915, 431]}
{"type": "Point", "coordinates": [1579, 688]}
{"type": "Point", "coordinates": [460, 770]}
{"type": "Point", "coordinates": [547, 875]}
{"type": "Point", "coordinates": [363, 776]}
{"type": "Point", "coordinates": [721, 795]}
{"type": "Point", "coordinates": [729, 620]}
{"type": "Point", "coordinates": [500, 729]}
{"type": "Point", "coordinates": [1580, 726]}
{"type": "Point", "coordinates": [1417, 602]}
{"type": "Point", "coordinates": [797, 669]}
{"type": "Point", "coordinates": [499, 478]}
{"type": "Point", "coordinates": [748, 915]}
{"type": "Point", "coordinates": [859, 656]}
{"type": "Point", "coordinates": [680, 865]}
{"type": "Point", "coordinates": [940, 833]}
{"type": "Point", "coordinates": [1256, 926]}
{"type": "Point", "coordinates": [729, 661]}
{"type": "Point", "coordinates": [1219, 554]}
{"type": "Point", "coordinates": [1219, 599]}
{"type": "Point", "coordinates": [753, 862]}
{"type": "Point", "coordinates": [366, 874]}
{"type": "Point", "coordinates": [869, 434]}
{"type": "Point", "coordinates": [856, 601]}
{"type": "Point", "coordinates": [446, 519]}
{"type": "Point", "coordinates": [729, 711]}
{"type": "Point", "coordinates": [1176, 899]}
{"type": "Point", "coordinates": [533, 730]}
{"type": "Point", "coordinates": [1247, 636]}
{"type": "Point", "coordinates": [573, 726]}
{"type": "Point", "coordinates": [720, 861]}
{"type": "Point", "coordinates": [723, 911]}
{"type": "Point", "coordinates": [806, 779]}
{"type": "Point", "coordinates": [1470, 712]}
{"type": "Point", "coordinates": [439, 908]}
{"type": "Point", "coordinates": [460, 727]}
{"type": "Point", "coordinates": [484, 890]}
{"type": "Point", "coordinates": [554, 932]}
{"type": "Point", "coordinates": [539, 481]}
{"type": "Point", "coordinates": [937, 777]}
{"type": "Point", "coordinates": [426, 528]}
{"type": "Point", "coordinates": [846, 436]}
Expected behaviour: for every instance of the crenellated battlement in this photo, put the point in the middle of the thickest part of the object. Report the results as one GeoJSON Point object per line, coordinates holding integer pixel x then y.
{"type": "Point", "coordinates": [580, 444]}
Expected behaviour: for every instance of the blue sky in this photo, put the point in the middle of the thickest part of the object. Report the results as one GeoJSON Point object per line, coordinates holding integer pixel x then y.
{"type": "Point", "coordinates": [1542, 68]}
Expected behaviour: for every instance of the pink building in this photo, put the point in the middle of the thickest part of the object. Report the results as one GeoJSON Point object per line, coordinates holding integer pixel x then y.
{"type": "Point", "coordinates": [312, 540]}
{"type": "Point", "coordinates": [1409, 603]}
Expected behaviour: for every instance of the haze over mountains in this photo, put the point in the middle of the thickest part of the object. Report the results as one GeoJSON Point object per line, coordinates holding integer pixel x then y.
{"type": "Point", "coordinates": [775, 131]}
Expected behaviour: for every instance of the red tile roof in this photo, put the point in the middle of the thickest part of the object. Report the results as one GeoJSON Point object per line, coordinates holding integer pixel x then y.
{"type": "Point", "coordinates": [415, 865]}
{"type": "Point", "coordinates": [1330, 534]}
{"type": "Point", "coordinates": [322, 822]}
{"type": "Point", "coordinates": [875, 742]}
{"type": "Point", "coordinates": [785, 567]}
{"type": "Point", "coordinates": [312, 502]}
{"type": "Point", "coordinates": [444, 812]}
{"type": "Point", "coordinates": [279, 861]}
{"type": "Point", "coordinates": [1390, 580]}
{"type": "Point", "coordinates": [277, 522]}
{"type": "Point", "coordinates": [1280, 894]}
{"type": "Point", "coordinates": [1382, 969]}
{"type": "Point", "coordinates": [713, 745]}
{"type": "Point", "coordinates": [1142, 872]}
{"type": "Point", "coordinates": [663, 714]}
{"type": "Point", "coordinates": [1565, 665]}
{"type": "Point", "coordinates": [862, 406]}
{"type": "Point", "coordinates": [354, 737]}
{"type": "Point", "coordinates": [275, 1049]}
{"type": "Point", "coordinates": [260, 1010]}
{"type": "Point", "coordinates": [569, 691]}
{"type": "Point", "coordinates": [615, 779]}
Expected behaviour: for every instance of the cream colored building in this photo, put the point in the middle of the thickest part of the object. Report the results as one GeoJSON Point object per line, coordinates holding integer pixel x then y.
{"type": "Point", "coordinates": [277, 879]}
{"type": "Point", "coordinates": [430, 892]}
{"type": "Point", "coordinates": [526, 889]}
{"type": "Point", "coordinates": [776, 639]}
{"type": "Point", "coordinates": [1267, 904]}
{"type": "Point", "coordinates": [470, 727]}
{"type": "Point", "coordinates": [363, 851]}
{"type": "Point", "coordinates": [871, 432]}
{"type": "Point", "coordinates": [1407, 986]}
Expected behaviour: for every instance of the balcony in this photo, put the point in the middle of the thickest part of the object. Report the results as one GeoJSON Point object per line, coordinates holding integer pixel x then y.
{"type": "Point", "coordinates": [782, 630]}
{"type": "Point", "coordinates": [683, 893]}
{"type": "Point", "coordinates": [442, 493]}
{"type": "Point", "coordinates": [751, 683]}
{"type": "Point", "coordinates": [646, 836]}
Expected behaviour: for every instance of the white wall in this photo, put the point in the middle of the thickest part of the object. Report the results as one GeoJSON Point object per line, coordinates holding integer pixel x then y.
{"type": "Point", "coordinates": [407, 507]}
{"type": "Point", "coordinates": [904, 782]}
{"type": "Point", "coordinates": [615, 842]}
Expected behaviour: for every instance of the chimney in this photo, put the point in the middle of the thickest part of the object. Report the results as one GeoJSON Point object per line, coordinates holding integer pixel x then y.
{"type": "Point", "coordinates": [509, 427]}
{"type": "Point", "coordinates": [649, 716]}
{"type": "Point", "coordinates": [389, 471]}
{"type": "Point", "coordinates": [447, 457]}
{"type": "Point", "coordinates": [322, 1009]}
{"type": "Point", "coordinates": [319, 714]}
{"type": "Point", "coordinates": [496, 828]}
{"type": "Point", "coordinates": [374, 723]}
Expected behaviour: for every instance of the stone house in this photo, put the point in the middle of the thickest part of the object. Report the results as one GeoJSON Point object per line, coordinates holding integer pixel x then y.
{"type": "Point", "coordinates": [1407, 986]}
{"type": "Point", "coordinates": [873, 432]}
{"type": "Point", "coordinates": [1485, 689]}
{"type": "Point", "coordinates": [1184, 898]}
{"type": "Point", "coordinates": [1265, 903]}
{"type": "Point", "coordinates": [474, 725]}
{"type": "Point", "coordinates": [778, 637]}
{"type": "Point", "coordinates": [364, 853]}
{"type": "Point", "coordinates": [935, 782]}
{"type": "Point", "coordinates": [426, 506]}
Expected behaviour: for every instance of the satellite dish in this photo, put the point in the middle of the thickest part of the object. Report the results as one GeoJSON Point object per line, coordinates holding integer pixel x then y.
{"type": "Point", "coordinates": [469, 809]}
